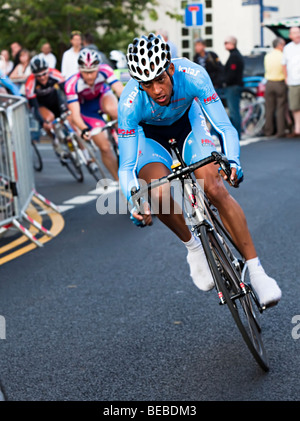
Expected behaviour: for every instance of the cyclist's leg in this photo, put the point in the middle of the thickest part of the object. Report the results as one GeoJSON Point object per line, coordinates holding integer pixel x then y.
{"type": "Point", "coordinates": [101, 140]}
{"type": "Point", "coordinates": [197, 146]}
{"type": "Point", "coordinates": [230, 211]}
{"type": "Point", "coordinates": [154, 162]}
{"type": "Point", "coordinates": [47, 115]}
{"type": "Point", "coordinates": [109, 104]}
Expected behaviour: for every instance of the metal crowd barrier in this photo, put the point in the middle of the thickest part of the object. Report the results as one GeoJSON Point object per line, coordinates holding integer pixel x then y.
{"type": "Point", "coordinates": [17, 184]}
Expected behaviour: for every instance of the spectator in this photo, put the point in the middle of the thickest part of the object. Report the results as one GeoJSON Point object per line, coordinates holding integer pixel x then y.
{"type": "Point", "coordinates": [211, 62]}
{"type": "Point", "coordinates": [291, 68]}
{"type": "Point", "coordinates": [15, 52]}
{"type": "Point", "coordinates": [276, 90]}
{"type": "Point", "coordinates": [233, 76]}
{"type": "Point", "coordinates": [47, 55]}
{"type": "Point", "coordinates": [69, 64]}
{"type": "Point", "coordinates": [21, 72]}
{"type": "Point", "coordinates": [88, 42]}
{"type": "Point", "coordinates": [173, 47]}
{"type": "Point", "coordinates": [6, 63]}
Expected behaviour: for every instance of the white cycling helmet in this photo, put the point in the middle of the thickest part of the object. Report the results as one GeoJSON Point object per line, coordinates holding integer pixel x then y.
{"type": "Point", "coordinates": [38, 64]}
{"type": "Point", "coordinates": [88, 60]}
{"type": "Point", "coordinates": [118, 58]}
{"type": "Point", "coordinates": [147, 58]}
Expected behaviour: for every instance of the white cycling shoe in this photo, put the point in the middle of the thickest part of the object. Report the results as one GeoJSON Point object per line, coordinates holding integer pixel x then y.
{"type": "Point", "coordinates": [266, 289]}
{"type": "Point", "coordinates": [199, 269]}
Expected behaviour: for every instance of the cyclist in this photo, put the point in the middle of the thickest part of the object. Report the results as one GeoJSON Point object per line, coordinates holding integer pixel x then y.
{"type": "Point", "coordinates": [89, 91]}
{"type": "Point", "coordinates": [119, 62]}
{"type": "Point", "coordinates": [169, 99]}
{"type": "Point", "coordinates": [44, 90]}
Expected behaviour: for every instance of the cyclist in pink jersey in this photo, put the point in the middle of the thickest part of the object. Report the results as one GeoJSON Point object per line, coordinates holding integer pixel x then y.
{"type": "Point", "coordinates": [91, 92]}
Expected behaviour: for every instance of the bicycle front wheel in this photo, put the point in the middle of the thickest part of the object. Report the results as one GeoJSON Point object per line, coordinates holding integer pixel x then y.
{"type": "Point", "coordinates": [73, 166]}
{"type": "Point", "coordinates": [36, 157]}
{"type": "Point", "coordinates": [234, 292]}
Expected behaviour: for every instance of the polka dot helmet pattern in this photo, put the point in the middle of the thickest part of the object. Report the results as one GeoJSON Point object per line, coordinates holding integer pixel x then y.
{"type": "Point", "coordinates": [148, 57]}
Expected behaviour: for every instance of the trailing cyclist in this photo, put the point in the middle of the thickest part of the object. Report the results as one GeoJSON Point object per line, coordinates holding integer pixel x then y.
{"type": "Point", "coordinates": [170, 99]}
{"type": "Point", "coordinates": [119, 62]}
{"type": "Point", "coordinates": [44, 90]}
{"type": "Point", "coordinates": [91, 92]}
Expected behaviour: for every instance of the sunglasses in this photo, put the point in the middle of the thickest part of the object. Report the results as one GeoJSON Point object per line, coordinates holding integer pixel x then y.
{"type": "Point", "coordinates": [42, 74]}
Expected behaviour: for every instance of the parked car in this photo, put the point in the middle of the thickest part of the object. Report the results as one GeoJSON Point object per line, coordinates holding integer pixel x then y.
{"type": "Point", "coordinates": [281, 27]}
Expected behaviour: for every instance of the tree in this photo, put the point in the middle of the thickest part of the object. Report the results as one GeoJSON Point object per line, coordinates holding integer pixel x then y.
{"type": "Point", "coordinates": [32, 22]}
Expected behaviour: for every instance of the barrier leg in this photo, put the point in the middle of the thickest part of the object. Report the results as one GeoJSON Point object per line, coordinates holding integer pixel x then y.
{"type": "Point", "coordinates": [37, 225]}
{"type": "Point", "coordinates": [46, 201]}
{"type": "Point", "coordinates": [26, 232]}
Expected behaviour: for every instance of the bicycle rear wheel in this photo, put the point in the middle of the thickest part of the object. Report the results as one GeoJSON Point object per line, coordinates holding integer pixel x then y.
{"type": "Point", "coordinates": [234, 291]}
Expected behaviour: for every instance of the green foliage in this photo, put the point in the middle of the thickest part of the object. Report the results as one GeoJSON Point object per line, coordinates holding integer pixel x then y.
{"type": "Point", "coordinates": [113, 23]}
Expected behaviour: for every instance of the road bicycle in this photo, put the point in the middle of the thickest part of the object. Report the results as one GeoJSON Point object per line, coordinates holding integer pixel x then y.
{"type": "Point", "coordinates": [73, 151]}
{"type": "Point", "coordinates": [252, 109]}
{"type": "Point", "coordinates": [36, 157]}
{"type": "Point", "coordinates": [227, 265]}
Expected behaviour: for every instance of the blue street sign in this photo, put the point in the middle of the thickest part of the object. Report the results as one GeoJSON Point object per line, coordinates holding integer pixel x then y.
{"type": "Point", "coordinates": [194, 14]}
{"type": "Point", "coordinates": [250, 2]}
{"type": "Point", "coordinates": [270, 9]}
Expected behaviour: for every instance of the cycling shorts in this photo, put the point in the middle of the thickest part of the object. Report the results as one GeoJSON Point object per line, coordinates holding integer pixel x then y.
{"type": "Point", "coordinates": [89, 110]}
{"type": "Point", "coordinates": [191, 133]}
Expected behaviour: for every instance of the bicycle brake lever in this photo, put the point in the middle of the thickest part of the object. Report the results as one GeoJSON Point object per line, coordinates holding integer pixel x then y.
{"type": "Point", "coordinates": [222, 160]}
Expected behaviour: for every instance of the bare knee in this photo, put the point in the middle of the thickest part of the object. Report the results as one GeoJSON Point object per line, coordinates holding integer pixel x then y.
{"type": "Point", "coordinates": [216, 192]}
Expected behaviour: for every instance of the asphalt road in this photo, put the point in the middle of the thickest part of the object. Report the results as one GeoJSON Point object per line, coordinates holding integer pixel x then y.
{"type": "Point", "coordinates": [107, 312]}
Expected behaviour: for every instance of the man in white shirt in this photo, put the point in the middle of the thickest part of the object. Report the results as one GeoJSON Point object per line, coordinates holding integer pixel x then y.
{"type": "Point", "coordinates": [47, 55]}
{"type": "Point", "coordinates": [291, 68]}
{"type": "Point", "coordinates": [69, 64]}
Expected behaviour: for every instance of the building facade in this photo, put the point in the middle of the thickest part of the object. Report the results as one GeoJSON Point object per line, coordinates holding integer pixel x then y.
{"type": "Point", "coordinates": [221, 18]}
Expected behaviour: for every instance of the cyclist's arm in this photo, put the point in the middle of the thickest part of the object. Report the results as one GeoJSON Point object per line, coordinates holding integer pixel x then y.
{"type": "Point", "coordinates": [8, 84]}
{"type": "Point", "coordinates": [215, 112]}
{"type": "Point", "coordinates": [117, 87]}
{"type": "Point", "coordinates": [78, 121]}
{"type": "Point", "coordinates": [128, 131]}
{"type": "Point", "coordinates": [111, 79]}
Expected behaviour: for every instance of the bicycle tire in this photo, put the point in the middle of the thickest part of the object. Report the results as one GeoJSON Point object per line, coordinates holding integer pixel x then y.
{"type": "Point", "coordinates": [253, 119]}
{"type": "Point", "coordinates": [99, 173]}
{"type": "Point", "coordinates": [36, 157]}
{"type": "Point", "coordinates": [73, 167]}
{"type": "Point", "coordinates": [227, 282]}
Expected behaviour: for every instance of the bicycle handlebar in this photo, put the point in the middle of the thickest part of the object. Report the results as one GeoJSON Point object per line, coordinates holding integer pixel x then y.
{"type": "Point", "coordinates": [216, 157]}
{"type": "Point", "coordinates": [109, 125]}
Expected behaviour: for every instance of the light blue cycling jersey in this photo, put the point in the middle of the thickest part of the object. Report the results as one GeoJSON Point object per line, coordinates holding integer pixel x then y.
{"type": "Point", "coordinates": [191, 84]}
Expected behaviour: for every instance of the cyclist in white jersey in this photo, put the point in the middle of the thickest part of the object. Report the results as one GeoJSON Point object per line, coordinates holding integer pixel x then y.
{"type": "Point", "coordinates": [168, 99]}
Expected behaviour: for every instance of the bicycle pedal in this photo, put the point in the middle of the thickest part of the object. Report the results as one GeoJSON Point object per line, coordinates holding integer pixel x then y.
{"type": "Point", "coordinates": [270, 305]}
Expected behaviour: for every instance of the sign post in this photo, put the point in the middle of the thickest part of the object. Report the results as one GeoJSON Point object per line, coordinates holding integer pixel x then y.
{"type": "Point", "coordinates": [262, 9]}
